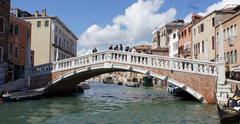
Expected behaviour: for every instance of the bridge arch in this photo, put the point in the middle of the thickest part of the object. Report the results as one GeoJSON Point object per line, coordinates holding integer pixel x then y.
{"type": "Point", "coordinates": [69, 80]}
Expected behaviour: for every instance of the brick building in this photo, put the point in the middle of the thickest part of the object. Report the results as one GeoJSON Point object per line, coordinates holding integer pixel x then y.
{"type": "Point", "coordinates": [185, 38]}
{"type": "Point", "coordinates": [4, 32]}
{"type": "Point", "coordinates": [20, 32]}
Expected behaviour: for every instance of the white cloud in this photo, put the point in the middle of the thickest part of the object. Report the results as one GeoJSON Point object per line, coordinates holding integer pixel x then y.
{"type": "Point", "coordinates": [133, 27]}
{"type": "Point", "coordinates": [216, 6]}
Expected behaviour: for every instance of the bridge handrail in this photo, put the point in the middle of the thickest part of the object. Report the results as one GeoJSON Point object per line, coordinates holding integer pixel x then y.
{"type": "Point", "coordinates": [131, 58]}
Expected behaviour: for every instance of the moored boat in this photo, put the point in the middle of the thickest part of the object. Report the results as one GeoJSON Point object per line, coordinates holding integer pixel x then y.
{"type": "Point", "coordinates": [120, 83]}
{"type": "Point", "coordinates": [108, 80]}
{"type": "Point", "coordinates": [174, 90]}
{"type": "Point", "coordinates": [230, 113]}
{"type": "Point", "coordinates": [227, 115]}
{"type": "Point", "coordinates": [23, 95]}
{"type": "Point", "coordinates": [131, 84]}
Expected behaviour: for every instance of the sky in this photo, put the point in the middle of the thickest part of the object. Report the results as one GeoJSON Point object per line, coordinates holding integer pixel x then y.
{"type": "Point", "coordinates": [100, 23]}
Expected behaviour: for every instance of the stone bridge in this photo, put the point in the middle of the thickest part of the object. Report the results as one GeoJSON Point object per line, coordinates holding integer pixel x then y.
{"type": "Point", "coordinates": [204, 80]}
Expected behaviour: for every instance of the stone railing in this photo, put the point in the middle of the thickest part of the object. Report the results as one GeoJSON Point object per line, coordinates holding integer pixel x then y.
{"type": "Point", "coordinates": [139, 59]}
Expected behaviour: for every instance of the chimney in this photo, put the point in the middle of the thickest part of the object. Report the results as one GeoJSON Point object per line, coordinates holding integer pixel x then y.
{"type": "Point", "coordinates": [44, 12]}
{"type": "Point", "coordinates": [36, 14]}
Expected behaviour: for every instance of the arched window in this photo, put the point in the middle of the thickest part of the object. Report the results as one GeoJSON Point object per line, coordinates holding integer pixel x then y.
{"type": "Point", "coordinates": [228, 57]}
{"type": "Point", "coordinates": [202, 46]}
{"type": "Point", "coordinates": [225, 57]}
{"type": "Point", "coordinates": [232, 57]}
{"type": "Point", "coordinates": [236, 56]}
{"type": "Point", "coordinates": [1, 24]}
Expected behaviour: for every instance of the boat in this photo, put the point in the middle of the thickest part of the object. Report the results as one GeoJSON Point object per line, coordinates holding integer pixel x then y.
{"type": "Point", "coordinates": [120, 83]}
{"type": "Point", "coordinates": [35, 94]}
{"type": "Point", "coordinates": [108, 80]}
{"type": "Point", "coordinates": [84, 85]}
{"type": "Point", "coordinates": [175, 91]}
{"type": "Point", "coordinates": [231, 112]}
{"type": "Point", "coordinates": [131, 84]}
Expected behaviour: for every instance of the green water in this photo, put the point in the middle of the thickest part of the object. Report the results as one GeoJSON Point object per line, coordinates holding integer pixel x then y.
{"type": "Point", "coordinates": [110, 104]}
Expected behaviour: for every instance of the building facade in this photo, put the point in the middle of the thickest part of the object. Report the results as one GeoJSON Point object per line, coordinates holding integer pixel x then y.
{"type": "Point", "coordinates": [20, 32]}
{"type": "Point", "coordinates": [173, 43]}
{"type": "Point", "coordinates": [231, 34]}
{"type": "Point", "coordinates": [203, 34]}
{"type": "Point", "coordinates": [185, 38]}
{"type": "Point", "coordinates": [4, 34]}
{"type": "Point", "coordinates": [52, 40]}
{"type": "Point", "coordinates": [160, 36]}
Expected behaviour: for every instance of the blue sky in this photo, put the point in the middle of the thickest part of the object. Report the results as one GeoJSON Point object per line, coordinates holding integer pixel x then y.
{"type": "Point", "coordinates": [100, 23]}
{"type": "Point", "coordinates": [80, 14]}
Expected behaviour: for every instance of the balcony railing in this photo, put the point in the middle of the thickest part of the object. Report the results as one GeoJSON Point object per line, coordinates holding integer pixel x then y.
{"type": "Point", "coordinates": [231, 40]}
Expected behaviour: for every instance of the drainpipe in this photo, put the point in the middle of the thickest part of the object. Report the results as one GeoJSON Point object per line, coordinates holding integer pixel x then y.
{"type": "Point", "coordinates": [27, 60]}
{"type": "Point", "coordinates": [206, 50]}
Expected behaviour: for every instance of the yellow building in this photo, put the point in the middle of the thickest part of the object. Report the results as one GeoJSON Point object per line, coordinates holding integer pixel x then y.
{"type": "Point", "coordinates": [51, 39]}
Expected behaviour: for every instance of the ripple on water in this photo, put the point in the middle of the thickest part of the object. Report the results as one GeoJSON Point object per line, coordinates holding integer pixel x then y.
{"type": "Point", "coordinates": [110, 104]}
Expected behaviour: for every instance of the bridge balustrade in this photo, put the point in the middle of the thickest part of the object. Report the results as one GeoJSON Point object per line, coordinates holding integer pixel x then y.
{"type": "Point", "coordinates": [139, 59]}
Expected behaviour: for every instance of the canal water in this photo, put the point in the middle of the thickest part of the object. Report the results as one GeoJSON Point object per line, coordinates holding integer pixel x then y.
{"type": "Point", "coordinates": [110, 104]}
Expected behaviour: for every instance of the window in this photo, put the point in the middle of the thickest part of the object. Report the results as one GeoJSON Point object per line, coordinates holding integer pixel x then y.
{"type": "Point", "coordinates": [11, 28]}
{"type": "Point", "coordinates": [38, 24]}
{"type": "Point", "coordinates": [55, 40]}
{"type": "Point", "coordinates": [198, 48]}
{"type": "Point", "coordinates": [228, 33]}
{"type": "Point", "coordinates": [16, 29]}
{"type": "Point", "coordinates": [16, 52]}
{"type": "Point", "coordinates": [231, 31]}
{"type": "Point", "coordinates": [235, 30]}
{"type": "Point", "coordinates": [1, 54]}
{"type": "Point", "coordinates": [232, 57]}
{"type": "Point", "coordinates": [56, 29]}
{"type": "Point", "coordinates": [202, 46]}
{"type": "Point", "coordinates": [213, 21]}
{"type": "Point", "coordinates": [235, 56]}
{"type": "Point", "coordinates": [174, 35]}
{"type": "Point", "coordinates": [202, 27]}
{"type": "Point", "coordinates": [224, 34]}
{"type": "Point", "coordinates": [1, 24]}
{"type": "Point", "coordinates": [10, 49]}
{"type": "Point", "coordinates": [194, 31]}
{"type": "Point", "coordinates": [46, 23]}
{"type": "Point", "coordinates": [60, 42]}
{"type": "Point", "coordinates": [225, 57]}
{"type": "Point", "coordinates": [213, 43]}
{"type": "Point", "coordinates": [228, 57]}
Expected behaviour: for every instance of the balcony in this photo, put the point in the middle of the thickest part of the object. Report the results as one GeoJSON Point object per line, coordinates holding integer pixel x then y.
{"type": "Point", "coordinates": [187, 52]}
{"type": "Point", "coordinates": [231, 40]}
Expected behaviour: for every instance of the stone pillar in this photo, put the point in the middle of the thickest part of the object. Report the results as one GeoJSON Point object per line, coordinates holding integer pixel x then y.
{"type": "Point", "coordinates": [223, 89]}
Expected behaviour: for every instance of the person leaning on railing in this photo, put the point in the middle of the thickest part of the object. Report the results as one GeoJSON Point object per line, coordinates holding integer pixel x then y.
{"type": "Point", "coordinates": [227, 70]}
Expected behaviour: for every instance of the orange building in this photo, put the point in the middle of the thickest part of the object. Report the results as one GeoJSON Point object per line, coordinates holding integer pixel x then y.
{"type": "Point", "coordinates": [185, 38]}
{"type": "Point", "coordinates": [20, 31]}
